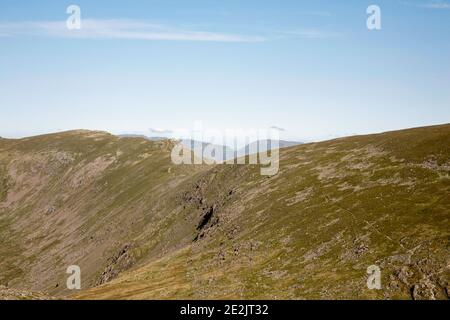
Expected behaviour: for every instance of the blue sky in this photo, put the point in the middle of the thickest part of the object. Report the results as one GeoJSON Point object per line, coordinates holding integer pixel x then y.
{"type": "Point", "coordinates": [309, 67]}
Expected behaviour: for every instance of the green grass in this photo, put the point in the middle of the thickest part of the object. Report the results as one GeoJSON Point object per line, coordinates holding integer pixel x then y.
{"type": "Point", "coordinates": [334, 209]}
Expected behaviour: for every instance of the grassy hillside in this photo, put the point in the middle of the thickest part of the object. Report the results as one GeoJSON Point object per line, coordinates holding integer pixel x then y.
{"type": "Point", "coordinates": [85, 198]}
{"type": "Point", "coordinates": [140, 227]}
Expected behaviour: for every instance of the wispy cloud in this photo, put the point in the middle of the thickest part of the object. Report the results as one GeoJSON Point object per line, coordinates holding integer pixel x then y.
{"type": "Point", "coordinates": [437, 5]}
{"type": "Point", "coordinates": [430, 4]}
{"type": "Point", "coordinates": [118, 29]}
{"type": "Point", "coordinates": [316, 13]}
{"type": "Point", "coordinates": [277, 128]}
{"type": "Point", "coordinates": [313, 33]}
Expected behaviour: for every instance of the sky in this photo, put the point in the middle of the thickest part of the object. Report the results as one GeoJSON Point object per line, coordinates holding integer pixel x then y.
{"type": "Point", "coordinates": [311, 68]}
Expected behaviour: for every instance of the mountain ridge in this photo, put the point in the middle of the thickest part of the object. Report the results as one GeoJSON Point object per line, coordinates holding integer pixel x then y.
{"type": "Point", "coordinates": [141, 227]}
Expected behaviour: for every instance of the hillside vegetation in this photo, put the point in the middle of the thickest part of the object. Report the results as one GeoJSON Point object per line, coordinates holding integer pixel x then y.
{"type": "Point", "coordinates": [142, 228]}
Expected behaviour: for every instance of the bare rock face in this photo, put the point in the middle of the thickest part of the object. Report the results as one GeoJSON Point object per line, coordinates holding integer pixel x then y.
{"type": "Point", "coordinates": [424, 290]}
{"type": "Point", "coordinates": [122, 261]}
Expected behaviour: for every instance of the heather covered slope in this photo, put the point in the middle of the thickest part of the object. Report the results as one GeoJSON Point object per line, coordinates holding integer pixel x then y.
{"type": "Point", "coordinates": [140, 227]}
{"type": "Point", "coordinates": [334, 209]}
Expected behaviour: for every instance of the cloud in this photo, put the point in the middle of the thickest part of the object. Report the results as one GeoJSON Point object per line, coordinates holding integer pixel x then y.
{"type": "Point", "coordinates": [316, 13]}
{"type": "Point", "coordinates": [118, 29]}
{"type": "Point", "coordinates": [437, 5]}
{"type": "Point", "coordinates": [430, 5]}
{"type": "Point", "coordinates": [313, 34]}
{"type": "Point", "coordinates": [127, 29]}
{"type": "Point", "coordinates": [277, 128]}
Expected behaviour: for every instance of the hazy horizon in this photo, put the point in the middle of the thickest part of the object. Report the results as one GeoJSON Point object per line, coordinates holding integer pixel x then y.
{"type": "Point", "coordinates": [311, 68]}
{"type": "Point", "coordinates": [163, 136]}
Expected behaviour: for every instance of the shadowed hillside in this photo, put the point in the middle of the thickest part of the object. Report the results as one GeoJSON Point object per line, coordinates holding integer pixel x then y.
{"type": "Point", "coordinates": [140, 227]}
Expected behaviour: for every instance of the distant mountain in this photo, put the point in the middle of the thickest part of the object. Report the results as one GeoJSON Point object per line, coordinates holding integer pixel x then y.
{"type": "Point", "coordinates": [190, 144]}
{"type": "Point", "coordinates": [230, 153]}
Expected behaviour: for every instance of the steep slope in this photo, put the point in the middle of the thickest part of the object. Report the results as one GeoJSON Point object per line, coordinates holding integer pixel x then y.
{"type": "Point", "coordinates": [312, 231]}
{"type": "Point", "coordinates": [118, 207]}
{"type": "Point", "coordinates": [88, 199]}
